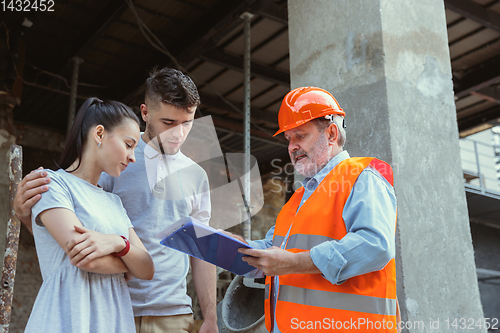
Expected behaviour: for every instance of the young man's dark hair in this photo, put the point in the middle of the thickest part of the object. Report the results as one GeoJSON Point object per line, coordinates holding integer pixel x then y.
{"type": "Point", "coordinates": [171, 86]}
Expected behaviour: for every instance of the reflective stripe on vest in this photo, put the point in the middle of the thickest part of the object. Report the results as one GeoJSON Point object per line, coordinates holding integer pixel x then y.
{"type": "Point", "coordinates": [277, 240]}
{"type": "Point", "coordinates": [266, 292]}
{"type": "Point", "coordinates": [301, 241]}
{"type": "Point", "coordinates": [306, 242]}
{"type": "Point", "coordinates": [339, 301]}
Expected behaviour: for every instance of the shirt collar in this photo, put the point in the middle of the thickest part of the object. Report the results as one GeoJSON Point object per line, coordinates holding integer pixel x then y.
{"type": "Point", "coordinates": [327, 168]}
{"type": "Point", "coordinates": [151, 153]}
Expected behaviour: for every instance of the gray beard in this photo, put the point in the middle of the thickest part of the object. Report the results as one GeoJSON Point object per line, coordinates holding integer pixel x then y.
{"type": "Point", "coordinates": [318, 157]}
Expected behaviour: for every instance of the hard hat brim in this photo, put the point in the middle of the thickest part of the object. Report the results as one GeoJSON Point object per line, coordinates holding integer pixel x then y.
{"type": "Point", "coordinates": [292, 126]}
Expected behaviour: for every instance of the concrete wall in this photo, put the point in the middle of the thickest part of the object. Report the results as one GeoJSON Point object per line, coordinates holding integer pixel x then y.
{"type": "Point", "coordinates": [388, 64]}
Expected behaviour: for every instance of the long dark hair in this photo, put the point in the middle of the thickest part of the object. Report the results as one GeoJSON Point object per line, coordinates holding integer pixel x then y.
{"type": "Point", "coordinates": [93, 112]}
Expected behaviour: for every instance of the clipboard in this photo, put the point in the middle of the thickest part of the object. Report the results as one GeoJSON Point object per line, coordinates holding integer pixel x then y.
{"type": "Point", "coordinates": [201, 241]}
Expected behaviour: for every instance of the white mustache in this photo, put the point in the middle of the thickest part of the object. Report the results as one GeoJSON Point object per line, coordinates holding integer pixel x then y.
{"type": "Point", "coordinates": [298, 153]}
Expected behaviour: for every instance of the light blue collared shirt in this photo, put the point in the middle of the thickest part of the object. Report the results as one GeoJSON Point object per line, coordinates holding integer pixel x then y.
{"type": "Point", "coordinates": [370, 219]}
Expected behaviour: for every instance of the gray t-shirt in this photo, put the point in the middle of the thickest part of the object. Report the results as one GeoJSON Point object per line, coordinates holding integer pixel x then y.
{"type": "Point", "coordinates": [70, 299]}
{"type": "Point", "coordinates": [151, 211]}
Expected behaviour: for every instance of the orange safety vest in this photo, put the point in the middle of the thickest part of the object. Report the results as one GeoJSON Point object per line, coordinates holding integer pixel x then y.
{"type": "Point", "coordinates": [309, 302]}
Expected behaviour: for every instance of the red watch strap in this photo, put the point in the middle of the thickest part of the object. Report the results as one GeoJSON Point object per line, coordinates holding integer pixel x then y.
{"type": "Point", "coordinates": [125, 250]}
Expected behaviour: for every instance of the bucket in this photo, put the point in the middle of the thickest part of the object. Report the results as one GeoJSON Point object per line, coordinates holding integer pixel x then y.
{"type": "Point", "coordinates": [242, 309]}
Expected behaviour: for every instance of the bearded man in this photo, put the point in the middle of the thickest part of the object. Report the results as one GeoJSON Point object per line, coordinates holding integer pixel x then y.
{"type": "Point", "coordinates": [329, 260]}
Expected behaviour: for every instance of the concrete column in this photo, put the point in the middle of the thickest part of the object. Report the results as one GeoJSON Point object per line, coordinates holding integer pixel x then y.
{"type": "Point", "coordinates": [387, 62]}
{"type": "Point", "coordinates": [7, 138]}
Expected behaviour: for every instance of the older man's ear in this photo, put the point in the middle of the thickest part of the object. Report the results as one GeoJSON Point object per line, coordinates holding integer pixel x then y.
{"type": "Point", "coordinates": [333, 133]}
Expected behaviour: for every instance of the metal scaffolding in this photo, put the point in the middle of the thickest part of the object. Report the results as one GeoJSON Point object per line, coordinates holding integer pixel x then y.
{"type": "Point", "coordinates": [247, 224]}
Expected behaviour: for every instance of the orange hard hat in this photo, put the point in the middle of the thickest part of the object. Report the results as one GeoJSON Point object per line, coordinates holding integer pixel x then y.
{"type": "Point", "coordinates": [304, 104]}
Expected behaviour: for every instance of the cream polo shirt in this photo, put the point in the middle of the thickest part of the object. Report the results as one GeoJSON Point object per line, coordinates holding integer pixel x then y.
{"type": "Point", "coordinates": [159, 166]}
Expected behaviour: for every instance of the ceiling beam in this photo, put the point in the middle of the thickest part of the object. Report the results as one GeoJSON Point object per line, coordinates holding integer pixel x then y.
{"type": "Point", "coordinates": [236, 127]}
{"type": "Point", "coordinates": [195, 6]}
{"type": "Point", "coordinates": [258, 115]}
{"type": "Point", "coordinates": [275, 12]}
{"type": "Point", "coordinates": [475, 12]}
{"type": "Point", "coordinates": [491, 94]}
{"type": "Point", "coordinates": [160, 15]}
{"type": "Point", "coordinates": [479, 77]}
{"type": "Point", "coordinates": [97, 28]}
{"type": "Point", "coordinates": [269, 39]}
{"type": "Point", "coordinates": [491, 115]}
{"type": "Point", "coordinates": [218, 22]}
{"type": "Point", "coordinates": [212, 27]}
{"type": "Point", "coordinates": [231, 131]}
{"type": "Point", "coordinates": [38, 137]}
{"type": "Point", "coordinates": [267, 73]}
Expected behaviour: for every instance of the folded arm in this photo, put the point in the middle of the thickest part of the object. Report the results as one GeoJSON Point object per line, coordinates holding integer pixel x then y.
{"type": "Point", "coordinates": [92, 251]}
{"type": "Point", "coordinates": [60, 223]}
{"type": "Point", "coordinates": [91, 245]}
{"type": "Point", "coordinates": [138, 260]}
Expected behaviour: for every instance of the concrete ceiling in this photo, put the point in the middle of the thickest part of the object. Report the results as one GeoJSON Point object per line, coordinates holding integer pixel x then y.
{"type": "Point", "coordinates": [205, 37]}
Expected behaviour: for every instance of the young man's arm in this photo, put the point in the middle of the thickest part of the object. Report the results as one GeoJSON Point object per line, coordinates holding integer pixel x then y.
{"type": "Point", "coordinates": [204, 273]}
{"type": "Point", "coordinates": [28, 194]}
{"type": "Point", "coordinates": [205, 282]}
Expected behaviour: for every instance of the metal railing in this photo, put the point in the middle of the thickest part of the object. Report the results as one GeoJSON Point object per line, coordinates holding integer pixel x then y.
{"type": "Point", "coordinates": [479, 166]}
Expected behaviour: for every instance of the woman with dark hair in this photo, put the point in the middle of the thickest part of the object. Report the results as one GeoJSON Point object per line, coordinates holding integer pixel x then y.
{"type": "Point", "coordinates": [84, 239]}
